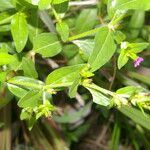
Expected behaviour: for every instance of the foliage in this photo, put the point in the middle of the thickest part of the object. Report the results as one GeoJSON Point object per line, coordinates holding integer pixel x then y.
{"type": "Point", "coordinates": [94, 44]}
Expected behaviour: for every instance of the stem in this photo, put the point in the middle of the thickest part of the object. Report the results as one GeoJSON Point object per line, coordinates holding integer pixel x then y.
{"type": "Point", "coordinates": [114, 74]}
{"type": "Point", "coordinates": [95, 87]}
{"type": "Point", "coordinates": [84, 34]}
{"type": "Point", "coordinates": [47, 21]}
{"type": "Point", "coordinates": [116, 18]}
{"type": "Point", "coordinates": [44, 97]}
{"type": "Point", "coordinates": [93, 31]}
{"type": "Point", "coordinates": [56, 15]}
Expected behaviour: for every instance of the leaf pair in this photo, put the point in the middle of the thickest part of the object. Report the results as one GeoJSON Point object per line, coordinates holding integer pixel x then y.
{"type": "Point", "coordinates": [66, 76]}
{"type": "Point", "coordinates": [46, 44]}
{"type": "Point", "coordinates": [132, 48]}
{"type": "Point", "coordinates": [28, 89]}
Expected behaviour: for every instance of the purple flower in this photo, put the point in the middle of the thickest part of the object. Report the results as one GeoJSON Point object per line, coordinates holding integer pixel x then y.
{"type": "Point", "coordinates": [138, 61]}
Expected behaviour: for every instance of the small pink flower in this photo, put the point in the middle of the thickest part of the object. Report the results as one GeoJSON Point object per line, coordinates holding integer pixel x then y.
{"type": "Point", "coordinates": [138, 61]}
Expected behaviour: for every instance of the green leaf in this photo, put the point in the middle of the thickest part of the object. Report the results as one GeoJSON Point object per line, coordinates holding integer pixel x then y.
{"type": "Point", "coordinates": [114, 145]}
{"type": "Point", "coordinates": [137, 116]}
{"type": "Point", "coordinates": [26, 82]}
{"type": "Point", "coordinates": [19, 31]}
{"type": "Point", "coordinates": [79, 132]}
{"type": "Point", "coordinates": [44, 4]}
{"type": "Point", "coordinates": [136, 23]}
{"type": "Point", "coordinates": [73, 88]}
{"type": "Point", "coordinates": [29, 117]}
{"type": "Point", "coordinates": [99, 98]}
{"type": "Point", "coordinates": [104, 48]}
{"type": "Point", "coordinates": [86, 46]}
{"type": "Point", "coordinates": [28, 1]}
{"type": "Point", "coordinates": [58, 1]}
{"type": "Point", "coordinates": [64, 75]}
{"type": "Point", "coordinates": [16, 90]}
{"type": "Point", "coordinates": [77, 59]}
{"type": "Point", "coordinates": [143, 78]}
{"type": "Point", "coordinates": [69, 51]}
{"type": "Point", "coordinates": [119, 36]}
{"type": "Point", "coordinates": [129, 90]}
{"type": "Point", "coordinates": [16, 65]}
{"type": "Point", "coordinates": [46, 44]}
{"type": "Point", "coordinates": [114, 5]}
{"type": "Point", "coordinates": [123, 59]}
{"type": "Point", "coordinates": [28, 4]}
{"type": "Point", "coordinates": [31, 99]}
{"type": "Point", "coordinates": [63, 29]}
{"type": "Point", "coordinates": [86, 20]}
{"type": "Point", "coordinates": [3, 76]}
{"type": "Point", "coordinates": [6, 58]}
{"type": "Point", "coordinates": [5, 28]}
{"type": "Point", "coordinates": [62, 7]}
{"type": "Point", "coordinates": [138, 47]}
{"type": "Point", "coordinates": [31, 122]}
{"type": "Point", "coordinates": [131, 48]}
{"type": "Point", "coordinates": [29, 68]}
{"type": "Point", "coordinates": [25, 115]}
{"type": "Point", "coordinates": [5, 4]}
{"type": "Point", "coordinates": [6, 16]}
{"type": "Point", "coordinates": [34, 24]}
{"type": "Point", "coordinates": [4, 48]}
{"type": "Point", "coordinates": [75, 116]}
